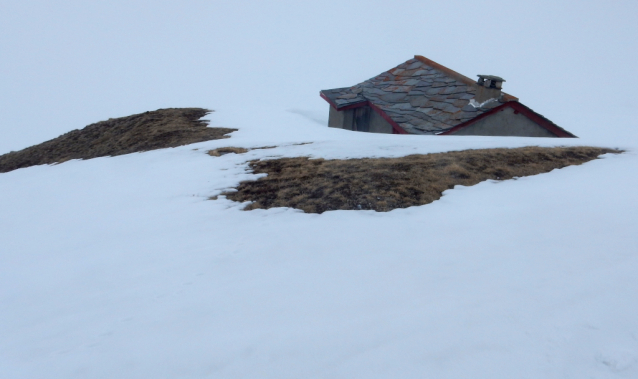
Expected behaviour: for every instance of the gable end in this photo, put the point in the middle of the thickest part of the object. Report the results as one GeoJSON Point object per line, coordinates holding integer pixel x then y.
{"type": "Point", "coordinates": [510, 123]}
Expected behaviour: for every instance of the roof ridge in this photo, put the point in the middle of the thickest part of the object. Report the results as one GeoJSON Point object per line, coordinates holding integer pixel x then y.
{"type": "Point", "coordinates": [458, 76]}
{"type": "Point", "coordinates": [419, 95]}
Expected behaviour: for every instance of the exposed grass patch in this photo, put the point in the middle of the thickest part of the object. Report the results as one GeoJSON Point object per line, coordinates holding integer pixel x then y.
{"type": "Point", "coordinates": [240, 150]}
{"type": "Point", "coordinates": [226, 150]}
{"type": "Point", "coordinates": [383, 184]}
{"type": "Point", "coordinates": [141, 132]}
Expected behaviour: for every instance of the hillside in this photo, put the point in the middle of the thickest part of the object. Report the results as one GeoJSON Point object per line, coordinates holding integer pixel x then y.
{"type": "Point", "coordinates": [124, 135]}
{"type": "Point", "coordinates": [121, 267]}
{"type": "Point", "coordinates": [384, 184]}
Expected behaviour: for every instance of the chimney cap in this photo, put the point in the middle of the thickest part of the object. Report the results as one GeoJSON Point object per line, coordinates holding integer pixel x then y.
{"type": "Point", "coordinates": [491, 77]}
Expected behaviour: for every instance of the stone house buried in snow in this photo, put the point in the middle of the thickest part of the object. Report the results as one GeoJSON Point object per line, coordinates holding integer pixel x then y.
{"type": "Point", "coordinates": [421, 96]}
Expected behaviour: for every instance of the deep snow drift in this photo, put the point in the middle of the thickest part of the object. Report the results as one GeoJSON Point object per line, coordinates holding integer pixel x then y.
{"type": "Point", "coordinates": [121, 268]}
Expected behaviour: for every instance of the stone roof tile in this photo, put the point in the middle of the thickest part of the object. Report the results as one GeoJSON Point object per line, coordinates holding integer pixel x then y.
{"type": "Point", "coordinates": [413, 65]}
{"type": "Point", "coordinates": [419, 98]}
{"type": "Point", "coordinates": [418, 101]}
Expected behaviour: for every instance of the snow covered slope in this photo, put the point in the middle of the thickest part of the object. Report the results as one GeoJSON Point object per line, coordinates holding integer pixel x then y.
{"type": "Point", "coordinates": [121, 268]}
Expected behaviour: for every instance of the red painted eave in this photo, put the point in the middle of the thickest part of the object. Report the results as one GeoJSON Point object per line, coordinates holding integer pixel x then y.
{"type": "Point", "coordinates": [518, 107]}
{"type": "Point", "coordinates": [351, 106]}
{"type": "Point", "coordinates": [460, 77]}
{"type": "Point", "coordinates": [328, 100]}
{"type": "Point", "coordinates": [396, 129]}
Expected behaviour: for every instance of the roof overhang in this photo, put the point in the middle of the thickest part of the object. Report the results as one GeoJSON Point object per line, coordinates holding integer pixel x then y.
{"type": "Point", "coordinates": [349, 106]}
{"type": "Point", "coordinates": [395, 127]}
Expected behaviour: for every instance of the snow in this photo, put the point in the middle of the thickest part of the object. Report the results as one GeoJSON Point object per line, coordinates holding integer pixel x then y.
{"type": "Point", "coordinates": [122, 267]}
{"type": "Point", "coordinates": [487, 102]}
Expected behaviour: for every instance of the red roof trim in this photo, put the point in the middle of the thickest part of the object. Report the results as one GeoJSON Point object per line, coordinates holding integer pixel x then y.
{"type": "Point", "coordinates": [538, 119]}
{"type": "Point", "coordinates": [351, 106]}
{"type": "Point", "coordinates": [328, 100]}
{"type": "Point", "coordinates": [475, 119]}
{"type": "Point", "coordinates": [445, 70]}
{"type": "Point", "coordinates": [542, 121]}
{"type": "Point", "coordinates": [460, 77]}
{"type": "Point", "coordinates": [396, 129]}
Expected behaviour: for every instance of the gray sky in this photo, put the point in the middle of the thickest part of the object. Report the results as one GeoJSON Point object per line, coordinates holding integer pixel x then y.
{"type": "Point", "coordinates": [66, 64]}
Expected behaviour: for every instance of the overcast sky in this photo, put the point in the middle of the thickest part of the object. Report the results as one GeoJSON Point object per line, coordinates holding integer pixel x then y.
{"type": "Point", "coordinates": [66, 64]}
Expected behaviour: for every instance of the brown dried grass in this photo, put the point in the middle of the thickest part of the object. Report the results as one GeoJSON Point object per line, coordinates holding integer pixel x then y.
{"type": "Point", "coordinates": [226, 150]}
{"type": "Point", "coordinates": [238, 150]}
{"type": "Point", "coordinates": [383, 184]}
{"type": "Point", "coordinates": [140, 132]}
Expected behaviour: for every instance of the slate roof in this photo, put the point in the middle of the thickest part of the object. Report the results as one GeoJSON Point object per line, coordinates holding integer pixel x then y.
{"type": "Point", "coordinates": [420, 95]}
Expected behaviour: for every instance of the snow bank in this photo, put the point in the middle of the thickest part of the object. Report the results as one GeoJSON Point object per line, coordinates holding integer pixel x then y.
{"type": "Point", "coordinates": [121, 268]}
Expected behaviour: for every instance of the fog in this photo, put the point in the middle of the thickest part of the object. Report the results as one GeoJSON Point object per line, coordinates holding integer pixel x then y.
{"type": "Point", "coordinates": [66, 64]}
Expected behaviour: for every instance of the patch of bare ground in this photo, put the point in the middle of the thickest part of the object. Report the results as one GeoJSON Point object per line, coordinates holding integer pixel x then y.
{"type": "Point", "coordinates": [234, 150]}
{"type": "Point", "coordinates": [158, 129]}
{"type": "Point", "coordinates": [383, 184]}
{"type": "Point", "coordinates": [226, 150]}
{"type": "Point", "coordinates": [240, 150]}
